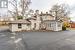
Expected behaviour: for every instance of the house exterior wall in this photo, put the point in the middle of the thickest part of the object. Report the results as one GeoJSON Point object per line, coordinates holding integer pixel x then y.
{"type": "Point", "coordinates": [32, 24]}
{"type": "Point", "coordinates": [46, 17]}
{"type": "Point", "coordinates": [14, 27]}
{"type": "Point", "coordinates": [72, 25]}
{"type": "Point", "coordinates": [37, 22]}
{"type": "Point", "coordinates": [10, 27]}
{"type": "Point", "coordinates": [54, 26]}
{"type": "Point", "coordinates": [38, 25]}
{"type": "Point", "coordinates": [50, 26]}
{"type": "Point", "coordinates": [26, 27]}
{"type": "Point", "coordinates": [58, 26]}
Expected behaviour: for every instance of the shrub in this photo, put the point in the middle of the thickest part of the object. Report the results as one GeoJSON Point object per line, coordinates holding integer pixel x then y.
{"type": "Point", "coordinates": [19, 17]}
{"type": "Point", "coordinates": [63, 28]}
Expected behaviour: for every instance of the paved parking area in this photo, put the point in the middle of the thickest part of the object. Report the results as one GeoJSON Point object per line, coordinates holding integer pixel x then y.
{"type": "Point", "coordinates": [64, 40]}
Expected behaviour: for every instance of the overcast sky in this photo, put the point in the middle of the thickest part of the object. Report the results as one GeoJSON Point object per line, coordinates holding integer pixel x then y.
{"type": "Point", "coordinates": [45, 5]}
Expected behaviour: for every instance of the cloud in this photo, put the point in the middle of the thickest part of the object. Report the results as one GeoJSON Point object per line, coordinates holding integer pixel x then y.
{"type": "Point", "coordinates": [42, 4]}
{"type": "Point", "coordinates": [45, 5]}
{"type": "Point", "coordinates": [70, 2]}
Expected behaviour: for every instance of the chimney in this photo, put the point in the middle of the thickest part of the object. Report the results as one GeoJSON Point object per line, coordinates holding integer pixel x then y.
{"type": "Point", "coordinates": [41, 12]}
{"type": "Point", "coordinates": [46, 12]}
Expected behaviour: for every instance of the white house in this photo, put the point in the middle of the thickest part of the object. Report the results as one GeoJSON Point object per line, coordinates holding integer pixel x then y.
{"type": "Point", "coordinates": [33, 21]}
{"type": "Point", "coordinates": [19, 25]}
{"type": "Point", "coordinates": [52, 25]}
{"type": "Point", "coordinates": [36, 22]}
{"type": "Point", "coordinates": [49, 23]}
{"type": "Point", "coordinates": [47, 17]}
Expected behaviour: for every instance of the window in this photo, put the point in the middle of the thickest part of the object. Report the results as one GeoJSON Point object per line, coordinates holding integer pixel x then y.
{"type": "Point", "coordinates": [28, 24]}
{"type": "Point", "coordinates": [19, 25]}
{"type": "Point", "coordinates": [59, 25]}
{"type": "Point", "coordinates": [34, 26]}
{"type": "Point", "coordinates": [50, 24]}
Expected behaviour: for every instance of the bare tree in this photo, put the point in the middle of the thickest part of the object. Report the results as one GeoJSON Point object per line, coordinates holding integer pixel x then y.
{"type": "Point", "coordinates": [60, 11]}
{"type": "Point", "coordinates": [24, 6]}
{"type": "Point", "coordinates": [17, 5]}
{"type": "Point", "coordinates": [14, 12]}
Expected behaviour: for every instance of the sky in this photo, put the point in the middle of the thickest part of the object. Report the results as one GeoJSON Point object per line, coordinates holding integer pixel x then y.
{"type": "Point", "coordinates": [45, 5]}
{"type": "Point", "coordinates": [42, 5]}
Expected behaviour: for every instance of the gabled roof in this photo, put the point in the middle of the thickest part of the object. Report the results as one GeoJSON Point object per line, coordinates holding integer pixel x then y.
{"type": "Point", "coordinates": [19, 21]}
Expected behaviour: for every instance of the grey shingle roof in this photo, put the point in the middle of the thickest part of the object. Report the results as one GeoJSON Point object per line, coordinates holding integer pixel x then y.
{"type": "Point", "coordinates": [46, 14]}
{"type": "Point", "coordinates": [19, 21]}
{"type": "Point", "coordinates": [51, 21]}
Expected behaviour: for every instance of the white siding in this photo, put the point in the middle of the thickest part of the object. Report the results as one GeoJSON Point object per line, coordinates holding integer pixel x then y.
{"type": "Point", "coordinates": [25, 27]}
{"type": "Point", "coordinates": [14, 27]}
{"type": "Point", "coordinates": [32, 24]}
{"type": "Point", "coordinates": [38, 25]}
{"type": "Point", "coordinates": [37, 21]}
{"type": "Point", "coordinates": [58, 28]}
{"type": "Point", "coordinates": [48, 17]}
{"type": "Point", "coordinates": [53, 26]}
{"type": "Point", "coordinates": [10, 27]}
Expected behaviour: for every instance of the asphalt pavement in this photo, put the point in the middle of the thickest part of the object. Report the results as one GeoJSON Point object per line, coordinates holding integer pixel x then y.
{"type": "Point", "coordinates": [62, 40]}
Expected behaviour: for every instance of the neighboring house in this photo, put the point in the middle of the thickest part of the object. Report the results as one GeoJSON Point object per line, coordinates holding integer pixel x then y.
{"type": "Point", "coordinates": [72, 24]}
{"type": "Point", "coordinates": [19, 25]}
